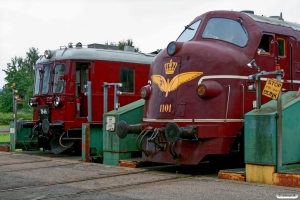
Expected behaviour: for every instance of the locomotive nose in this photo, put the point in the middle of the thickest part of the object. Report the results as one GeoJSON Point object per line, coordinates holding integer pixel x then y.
{"type": "Point", "coordinates": [173, 132]}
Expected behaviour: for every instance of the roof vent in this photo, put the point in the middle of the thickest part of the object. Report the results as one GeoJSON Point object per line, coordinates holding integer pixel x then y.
{"type": "Point", "coordinates": [277, 17]}
{"type": "Point", "coordinates": [248, 11]}
{"type": "Point", "coordinates": [103, 46]}
{"type": "Point", "coordinates": [129, 48]}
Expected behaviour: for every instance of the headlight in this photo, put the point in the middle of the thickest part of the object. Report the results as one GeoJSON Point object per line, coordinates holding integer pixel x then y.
{"type": "Point", "coordinates": [57, 101]}
{"type": "Point", "coordinates": [171, 49]}
{"type": "Point", "coordinates": [209, 89]}
{"type": "Point", "coordinates": [32, 102]}
{"type": "Point", "coordinates": [47, 54]}
{"type": "Point", "coordinates": [174, 47]}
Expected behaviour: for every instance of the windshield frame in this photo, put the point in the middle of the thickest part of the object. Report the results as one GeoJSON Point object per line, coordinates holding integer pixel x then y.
{"type": "Point", "coordinates": [58, 83]}
{"type": "Point", "coordinates": [189, 32]}
{"type": "Point", "coordinates": [46, 79]}
{"type": "Point", "coordinates": [37, 81]}
{"type": "Point", "coordinates": [227, 30]}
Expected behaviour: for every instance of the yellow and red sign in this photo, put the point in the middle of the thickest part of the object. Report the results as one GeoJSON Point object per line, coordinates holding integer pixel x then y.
{"type": "Point", "coordinates": [272, 88]}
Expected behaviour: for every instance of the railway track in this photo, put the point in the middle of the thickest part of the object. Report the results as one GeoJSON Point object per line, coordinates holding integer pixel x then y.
{"type": "Point", "coordinates": [31, 177]}
{"type": "Point", "coordinates": [22, 168]}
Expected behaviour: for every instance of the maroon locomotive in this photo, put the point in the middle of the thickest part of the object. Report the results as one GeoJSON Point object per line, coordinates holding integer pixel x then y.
{"type": "Point", "coordinates": [60, 98]}
{"type": "Point", "coordinates": [199, 90]}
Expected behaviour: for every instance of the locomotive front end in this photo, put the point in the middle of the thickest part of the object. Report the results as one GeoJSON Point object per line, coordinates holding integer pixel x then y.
{"type": "Point", "coordinates": [68, 91]}
{"type": "Point", "coordinates": [51, 103]}
{"type": "Point", "coordinates": [194, 98]}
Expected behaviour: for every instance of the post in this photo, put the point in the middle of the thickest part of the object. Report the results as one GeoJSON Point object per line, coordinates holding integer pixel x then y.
{"type": "Point", "coordinates": [116, 94]}
{"type": "Point", "coordinates": [258, 91]}
{"type": "Point", "coordinates": [279, 126]}
{"type": "Point", "coordinates": [89, 95]}
{"type": "Point", "coordinates": [14, 91]}
{"type": "Point", "coordinates": [105, 85]}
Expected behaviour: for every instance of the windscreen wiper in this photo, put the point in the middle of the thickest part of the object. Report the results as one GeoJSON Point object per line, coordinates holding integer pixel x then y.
{"type": "Point", "coordinates": [188, 27]}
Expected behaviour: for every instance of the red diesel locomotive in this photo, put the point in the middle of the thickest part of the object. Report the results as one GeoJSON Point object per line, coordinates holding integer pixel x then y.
{"type": "Point", "coordinates": [199, 87]}
{"type": "Point", "coordinates": [60, 98]}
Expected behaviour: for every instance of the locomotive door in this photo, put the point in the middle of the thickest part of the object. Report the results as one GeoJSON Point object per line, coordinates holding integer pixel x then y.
{"type": "Point", "coordinates": [82, 76]}
{"type": "Point", "coordinates": [284, 61]}
{"type": "Point", "coordinates": [294, 66]}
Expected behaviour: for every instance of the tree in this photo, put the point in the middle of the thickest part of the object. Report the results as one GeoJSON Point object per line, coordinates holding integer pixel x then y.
{"type": "Point", "coordinates": [21, 72]}
{"type": "Point", "coordinates": [123, 43]}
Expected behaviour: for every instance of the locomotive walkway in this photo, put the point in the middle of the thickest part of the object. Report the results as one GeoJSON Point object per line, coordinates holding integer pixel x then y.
{"type": "Point", "coordinates": [45, 176]}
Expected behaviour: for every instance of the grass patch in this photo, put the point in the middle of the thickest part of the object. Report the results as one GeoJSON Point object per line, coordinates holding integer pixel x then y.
{"type": "Point", "coordinates": [5, 118]}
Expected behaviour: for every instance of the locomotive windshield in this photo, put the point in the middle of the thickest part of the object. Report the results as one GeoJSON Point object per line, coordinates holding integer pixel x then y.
{"type": "Point", "coordinates": [37, 81]}
{"type": "Point", "coordinates": [46, 80]}
{"type": "Point", "coordinates": [189, 32]}
{"type": "Point", "coordinates": [58, 83]}
{"type": "Point", "coordinates": [227, 30]}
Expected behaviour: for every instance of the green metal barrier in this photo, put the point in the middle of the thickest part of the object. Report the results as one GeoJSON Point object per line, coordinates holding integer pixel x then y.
{"type": "Point", "coordinates": [115, 148]}
{"type": "Point", "coordinates": [23, 139]}
{"type": "Point", "coordinates": [261, 134]}
{"type": "Point", "coordinates": [92, 142]}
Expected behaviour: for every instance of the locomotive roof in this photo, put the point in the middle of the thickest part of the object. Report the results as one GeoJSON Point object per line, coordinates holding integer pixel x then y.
{"type": "Point", "coordinates": [98, 54]}
{"type": "Point", "coordinates": [274, 21]}
{"type": "Point", "coordinates": [263, 23]}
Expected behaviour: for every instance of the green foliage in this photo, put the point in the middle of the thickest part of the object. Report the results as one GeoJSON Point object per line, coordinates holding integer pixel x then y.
{"type": "Point", "coordinates": [21, 72]}
{"type": "Point", "coordinates": [5, 118]}
{"type": "Point", "coordinates": [123, 43]}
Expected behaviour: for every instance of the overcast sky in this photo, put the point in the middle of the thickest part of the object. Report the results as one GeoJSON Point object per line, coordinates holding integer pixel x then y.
{"type": "Point", "coordinates": [151, 24]}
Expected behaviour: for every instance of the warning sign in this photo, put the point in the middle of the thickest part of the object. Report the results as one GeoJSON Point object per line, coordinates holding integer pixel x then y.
{"type": "Point", "coordinates": [272, 88]}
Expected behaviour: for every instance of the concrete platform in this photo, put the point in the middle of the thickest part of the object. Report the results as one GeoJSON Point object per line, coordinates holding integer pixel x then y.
{"type": "Point", "coordinates": [232, 174]}
{"type": "Point", "coordinates": [289, 178]}
{"type": "Point", "coordinates": [32, 176]}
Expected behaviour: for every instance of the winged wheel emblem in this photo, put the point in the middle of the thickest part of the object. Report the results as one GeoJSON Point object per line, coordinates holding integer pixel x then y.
{"type": "Point", "coordinates": [168, 86]}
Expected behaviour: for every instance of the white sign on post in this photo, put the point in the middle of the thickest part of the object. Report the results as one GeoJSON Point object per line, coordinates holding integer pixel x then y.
{"type": "Point", "coordinates": [110, 123]}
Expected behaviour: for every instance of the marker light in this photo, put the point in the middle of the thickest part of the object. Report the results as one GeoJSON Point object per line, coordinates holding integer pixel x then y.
{"type": "Point", "coordinates": [201, 90]}
{"type": "Point", "coordinates": [145, 92]}
{"type": "Point", "coordinates": [209, 89]}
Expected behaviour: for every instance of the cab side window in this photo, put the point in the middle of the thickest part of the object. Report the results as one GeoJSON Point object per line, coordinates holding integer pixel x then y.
{"type": "Point", "coordinates": [281, 47]}
{"type": "Point", "coordinates": [127, 79]}
{"type": "Point", "coordinates": [82, 70]}
{"type": "Point", "coordinates": [264, 47]}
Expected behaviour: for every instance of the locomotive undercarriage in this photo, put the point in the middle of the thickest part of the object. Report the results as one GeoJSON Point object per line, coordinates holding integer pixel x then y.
{"type": "Point", "coordinates": [52, 136]}
{"type": "Point", "coordinates": [171, 140]}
